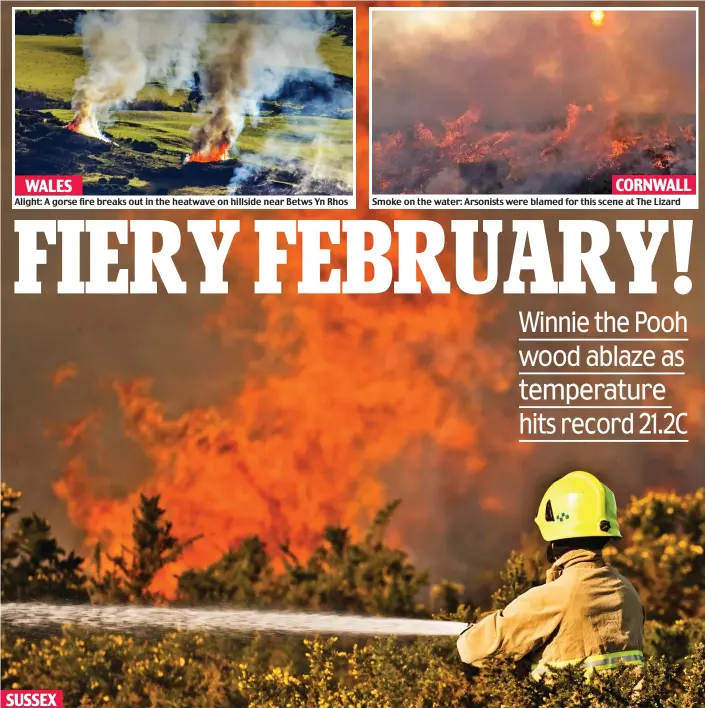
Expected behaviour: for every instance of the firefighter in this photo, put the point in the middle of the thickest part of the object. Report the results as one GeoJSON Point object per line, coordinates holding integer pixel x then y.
{"type": "Point", "coordinates": [586, 611]}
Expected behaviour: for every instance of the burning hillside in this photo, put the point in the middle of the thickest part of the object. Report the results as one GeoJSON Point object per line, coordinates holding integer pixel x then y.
{"type": "Point", "coordinates": [127, 50]}
{"type": "Point", "coordinates": [218, 153]}
{"type": "Point", "coordinates": [43, 146]}
{"type": "Point", "coordinates": [339, 394]}
{"type": "Point", "coordinates": [579, 156]}
{"type": "Point", "coordinates": [227, 82]}
{"type": "Point", "coordinates": [548, 103]}
{"type": "Point", "coordinates": [235, 69]}
{"type": "Point", "coordinates": [87, 126]}
{"type": "Point", "coordinates": [178, 88]}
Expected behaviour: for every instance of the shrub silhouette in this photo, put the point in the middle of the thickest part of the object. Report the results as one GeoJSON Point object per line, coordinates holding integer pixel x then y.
{"type": "Point", "coordinates": [192, 669]}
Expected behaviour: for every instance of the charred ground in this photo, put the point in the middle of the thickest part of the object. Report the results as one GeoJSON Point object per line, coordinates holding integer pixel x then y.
{"type": "Point", "coordinates": [43, 146]}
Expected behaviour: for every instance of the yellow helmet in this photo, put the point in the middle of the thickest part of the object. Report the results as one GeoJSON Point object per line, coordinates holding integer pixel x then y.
{"type": "Point", "coordinates": [578, 506]}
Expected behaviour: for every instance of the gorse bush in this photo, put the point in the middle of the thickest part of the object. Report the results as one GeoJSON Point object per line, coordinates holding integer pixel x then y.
{"type": "Point", "coordinates": [192, 669]}
{"type": "Point", "coordinates": [34, 566]}
{"type": "Point", "coordinates": [339, 576]}
{"type": "Point", "coordinates": [664, 556]}
{"type": "Point", "coordinates": [183, 669]}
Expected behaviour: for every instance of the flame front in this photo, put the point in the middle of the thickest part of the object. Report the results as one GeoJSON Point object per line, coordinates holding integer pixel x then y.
{"type": "Point", "coordinates": [302, 445]}
{"type": "Point", "coordinates": [217, 154]}
{"type": "Point", "coordinates": [589, 140]}
{"type": "Point", "coordinates": [86, 125]}
{"type": "Point", "coordinates": [502, 102]}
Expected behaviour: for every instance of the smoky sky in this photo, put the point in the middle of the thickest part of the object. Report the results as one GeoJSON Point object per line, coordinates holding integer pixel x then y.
{"type": "Point", "coordinates": [519, 67]}
{"type": "Point", "coordinates": [107, 339]}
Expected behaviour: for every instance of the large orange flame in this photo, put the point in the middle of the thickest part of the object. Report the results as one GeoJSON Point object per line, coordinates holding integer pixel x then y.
{"type": "Point", "coordinates": [343, 396]}
{"type": "Point", "coordinates": [217, 154]}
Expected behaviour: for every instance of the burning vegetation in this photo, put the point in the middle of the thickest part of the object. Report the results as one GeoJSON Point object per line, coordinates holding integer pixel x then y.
{"type": "Point", "coordinates": [218, 153]}
{"type": "Point", "coordinates": [578, 156]}
{"type": "Point", "coordinates": [558, 108]}
{"type": "Point", "coordinates": [86, 125]}
{"type": "Point", "coordinates": [124, 55]}
{"type": "Point", "coordinates": [137, 167]}
{"type": "Point", "coordinates": [234, 70]}
{"type": "Point", "coordinates": [227, 78]}
{"type": "Point", "coordinates": [126, 50]}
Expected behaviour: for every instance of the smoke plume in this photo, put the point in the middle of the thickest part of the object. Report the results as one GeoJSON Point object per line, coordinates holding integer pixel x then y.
{"type": "Point", "coordinates": [226, 82]}
{"type": "Point", "coordinates": [127, 49]}
{"type": "Point", "coordinates": [253, 65]}
{"type": "Point", "coordinates": [311, 154]}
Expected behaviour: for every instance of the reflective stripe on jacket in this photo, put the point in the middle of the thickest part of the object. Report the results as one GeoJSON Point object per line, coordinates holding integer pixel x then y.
{"type": "Point", "coordinates": [593, 663]}
{"type": "Point", "coordinates": [585, 611]}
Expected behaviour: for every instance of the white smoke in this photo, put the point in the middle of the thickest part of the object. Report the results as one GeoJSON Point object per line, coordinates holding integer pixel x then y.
{"type": "Point", "coordinates": [320, 166]}
{"type": "Point", "coordinates": [128, 619]}
{"type": "Point", "coordinates": [253, 64]}
{"type": "Point", "coordinates": [285, 49]}
{"type": "Point", "coordinates": [127, 49]}
{"type": "Point", "coordinates": [314, 154]}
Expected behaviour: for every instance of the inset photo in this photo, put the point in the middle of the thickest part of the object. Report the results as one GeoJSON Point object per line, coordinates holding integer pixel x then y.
{"type": "Point", "coordinates": [183, 107]}
{"type": "Point", "coordinates": [534, 107]}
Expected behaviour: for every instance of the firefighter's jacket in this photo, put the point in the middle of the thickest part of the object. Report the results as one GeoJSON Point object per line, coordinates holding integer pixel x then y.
{"type": "Point", "coordinates": [586, 611]}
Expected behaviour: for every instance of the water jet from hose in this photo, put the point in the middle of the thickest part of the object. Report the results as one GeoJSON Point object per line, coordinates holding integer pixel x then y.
{"type": "Point", "coordinates": [127, 619]}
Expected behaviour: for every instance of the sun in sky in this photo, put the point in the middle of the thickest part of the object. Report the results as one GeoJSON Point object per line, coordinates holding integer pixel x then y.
{"type": "Point", "coordinates": [597, 17]}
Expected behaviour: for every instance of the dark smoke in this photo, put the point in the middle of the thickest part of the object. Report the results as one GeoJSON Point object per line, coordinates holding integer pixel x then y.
{"type": "Point", "coordinates": [525, 67]}
{"type": "Point", "coordinates": [225, 81]}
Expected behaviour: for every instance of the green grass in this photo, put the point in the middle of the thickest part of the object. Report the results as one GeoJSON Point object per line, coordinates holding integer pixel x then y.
{"type": "Point", "coordinates": [51, 65]}
{"type": "Point", "coordinates": [337, 55]}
